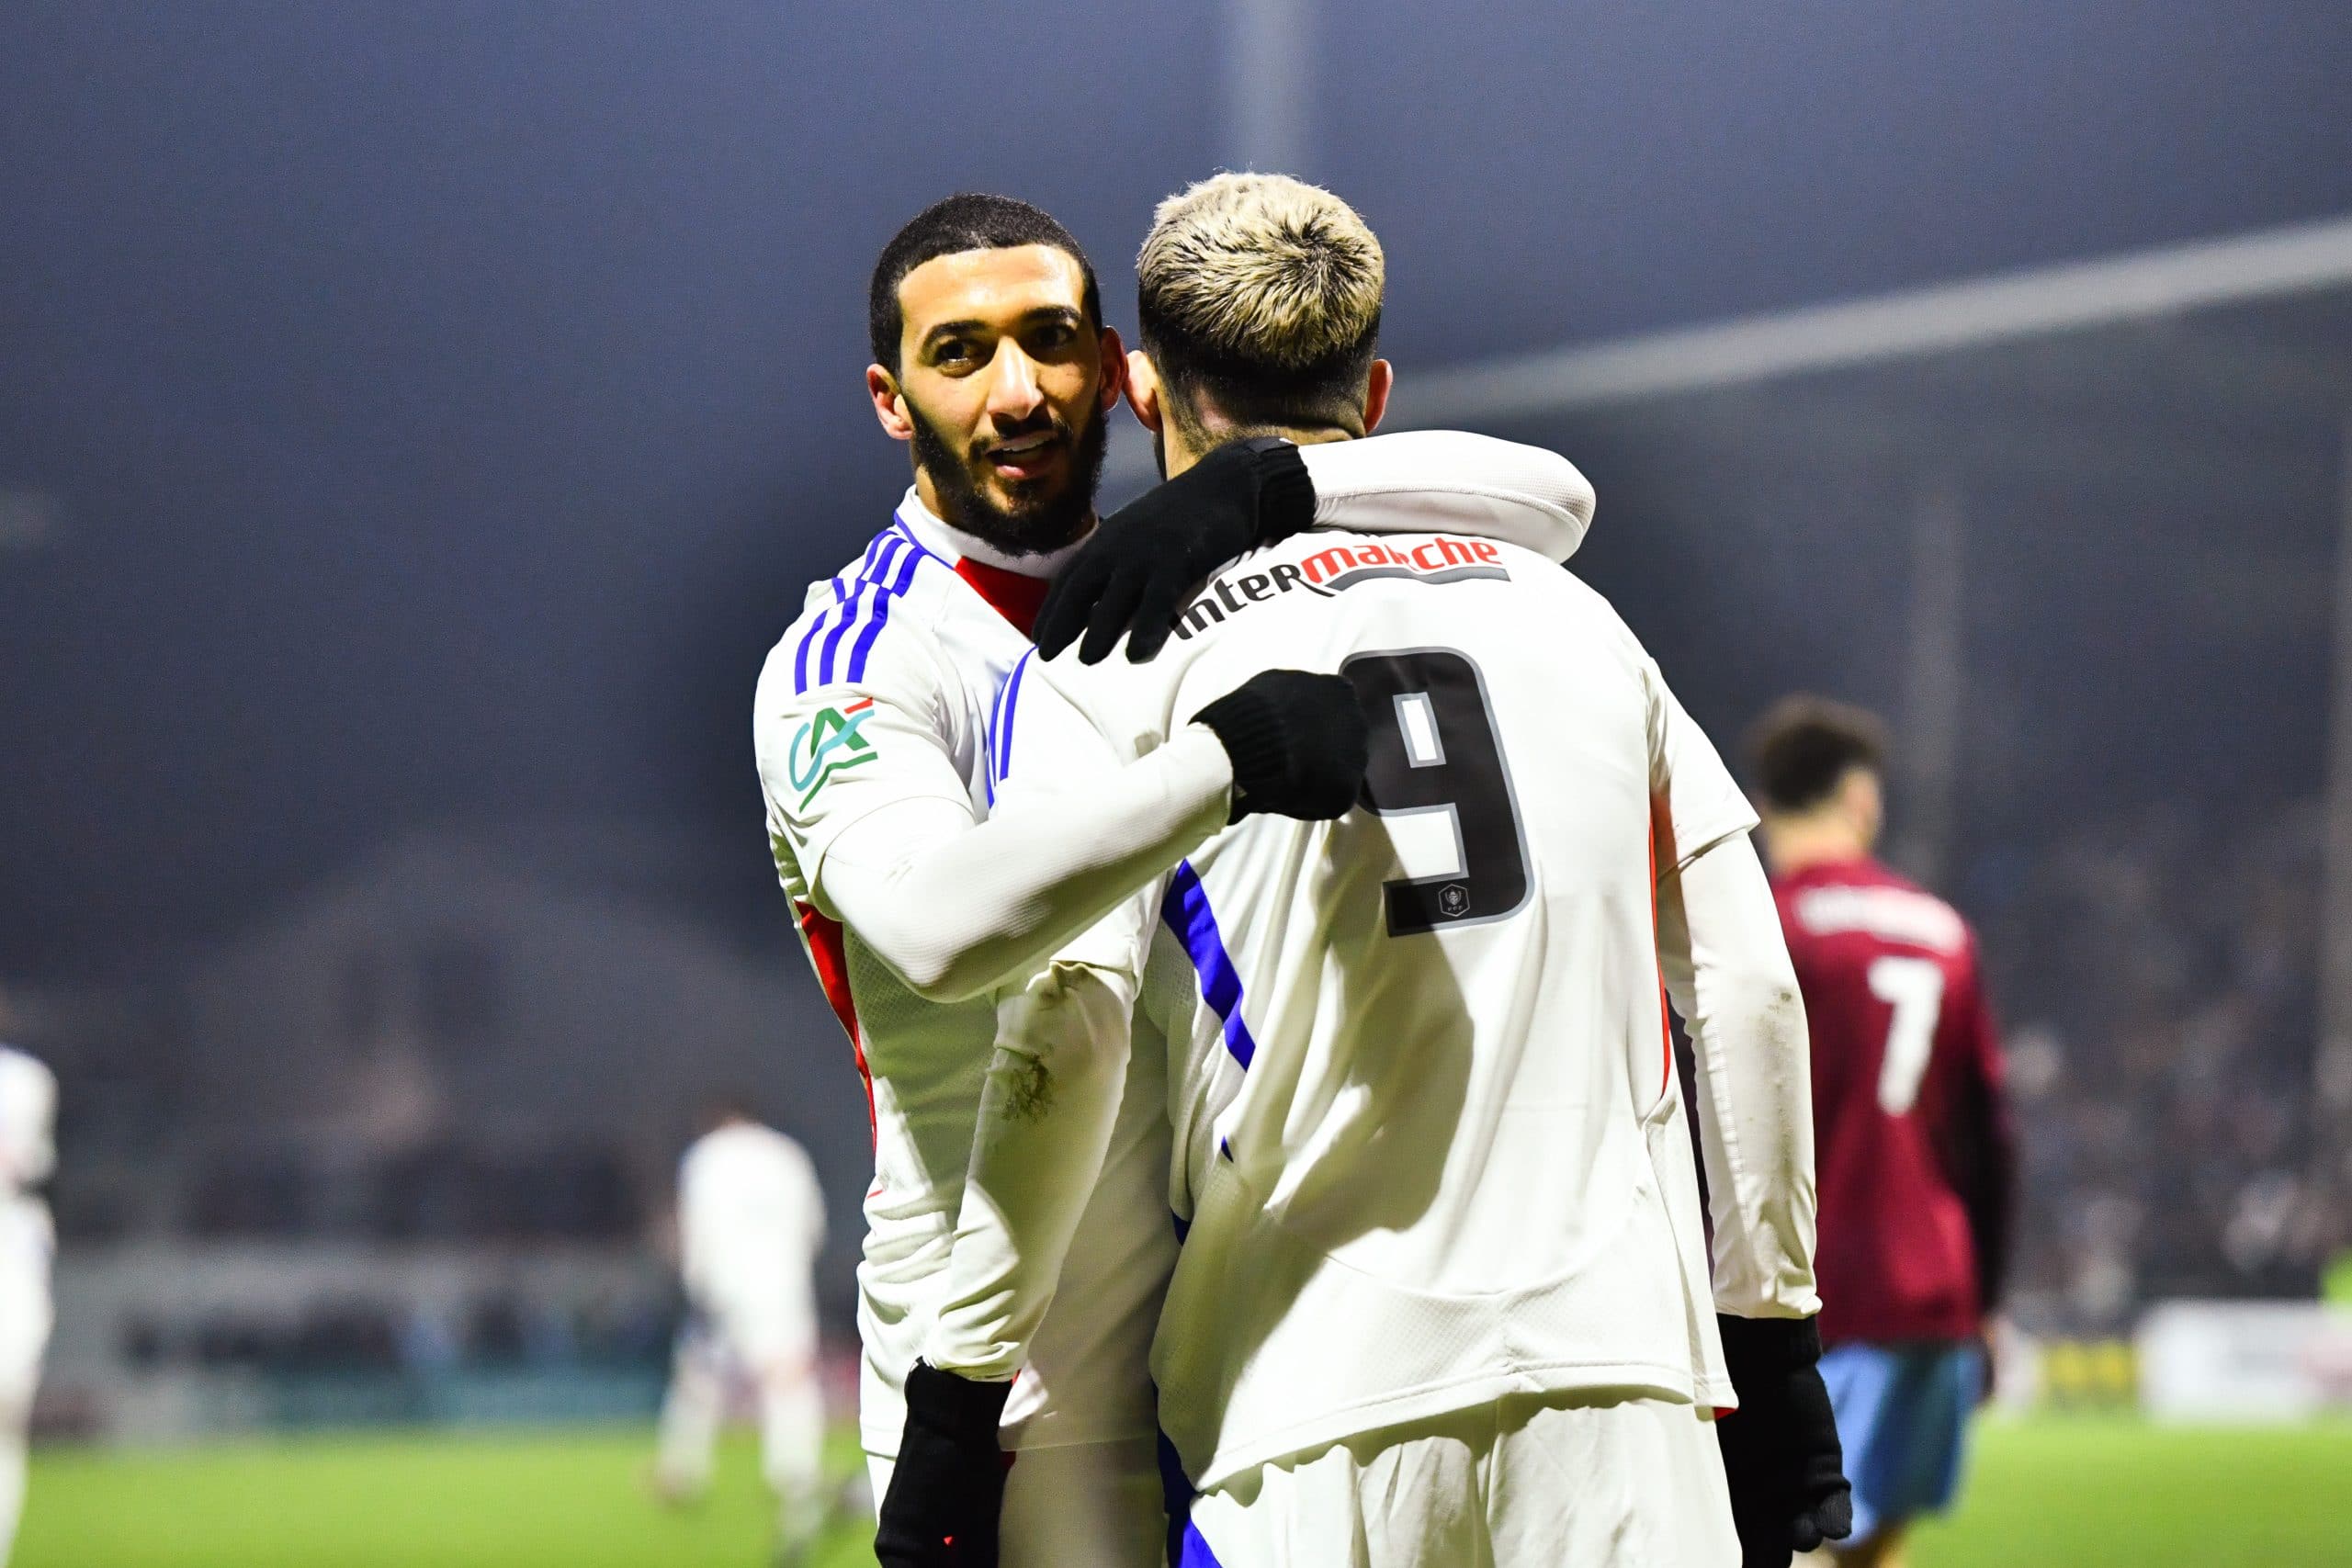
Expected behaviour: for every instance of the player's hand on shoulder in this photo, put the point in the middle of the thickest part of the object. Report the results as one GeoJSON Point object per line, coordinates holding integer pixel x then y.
{"type": "Point", "coordinates": [1140, 566]}
{"type": "Point", "coordinates": [1781, 1457]}
{"type": "Point", "coordinates": [947, 1489]}
{"type": "Point", "coordinates": [1299, 744]}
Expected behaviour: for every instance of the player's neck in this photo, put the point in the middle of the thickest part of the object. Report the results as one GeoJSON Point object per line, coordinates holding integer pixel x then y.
{"type": "Point", "coordinates": [1180, 454]}
{"type": "Point", "coordinates": [959, 543]}
{"type": "Point", "coordinates": [1792, 844]}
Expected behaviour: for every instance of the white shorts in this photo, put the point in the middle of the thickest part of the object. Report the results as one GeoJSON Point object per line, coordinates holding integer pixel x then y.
{"type": "Point", "coordinates": [763, 1339]}
{"type": "Point", "coordinates": [25, 1322]}
{"type": "Point", "coordinates": [1075, 1505]}
{"type": "Point", "coordinates": [768, 1350]}
{"type": "Point", "coordinates": [1526, 1482]}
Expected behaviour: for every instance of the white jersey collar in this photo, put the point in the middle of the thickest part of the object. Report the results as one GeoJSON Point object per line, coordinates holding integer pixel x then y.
{"type": "Point", "coordinates": [951, 544]}
{"type": "Point", "coordinates": [1453, 478]}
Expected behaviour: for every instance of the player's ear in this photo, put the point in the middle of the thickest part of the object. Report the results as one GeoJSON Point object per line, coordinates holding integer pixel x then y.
{"type": "Point", "coordinates": [1115, 369]}
{"type": "Point", "coordinates": [1375, 393]}
{"type": "Point", "coordinates": [889, 404]}
{"type": "Point", "coordinates": [1143, 392]}
{"type": "Point", "coordinates": [1866, 801]}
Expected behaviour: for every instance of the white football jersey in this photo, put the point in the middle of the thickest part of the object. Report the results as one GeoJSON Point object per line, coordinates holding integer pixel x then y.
{"type": "Point", "coordinates": [883, 692]}
{"type": "Point", "coordinates": [28, 1241]}
{"type": "Point", "coordinates": [750, 1224]}
{"type": "Point", "coordinates": [28, 1120]}
{"type": "Point", "coordinates": [1430, 1148]}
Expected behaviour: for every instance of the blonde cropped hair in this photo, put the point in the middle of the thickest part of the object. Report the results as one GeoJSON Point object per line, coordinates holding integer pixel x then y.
{"type": "Point", "coordinates": [1261, 290]}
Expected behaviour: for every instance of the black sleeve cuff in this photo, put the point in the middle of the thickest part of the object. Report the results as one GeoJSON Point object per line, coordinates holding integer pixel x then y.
{"type": "Point", "coordinates": [964, 1408]}
{"type": "Point", "coordinates": [1252, 732]}
{"type": "Point", "coordinates": [1285, 493]}
{"type": "Point", "coordinates": [1774, 1342]}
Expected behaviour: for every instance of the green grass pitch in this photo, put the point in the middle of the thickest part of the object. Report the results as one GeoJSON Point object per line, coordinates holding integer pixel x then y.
{"type": "Point", "coordinates": [2069, 1492]}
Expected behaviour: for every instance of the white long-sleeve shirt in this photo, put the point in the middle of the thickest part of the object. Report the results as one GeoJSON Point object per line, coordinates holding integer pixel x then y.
{"type": "Point", "coordinates": [871, 725]}
{"type": "Point", "coordinates": [750, 1224]}
{"type": "Point", "coordinates": [1429, 1147]}
{"type": "Point", "coordinates": [28, 1120]}
{"type": "Point", "coordinates": [27, 1240]}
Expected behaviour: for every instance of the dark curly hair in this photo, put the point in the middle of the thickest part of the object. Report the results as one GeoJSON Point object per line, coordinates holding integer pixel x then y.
{"type": "Point", "coordinates": [966, 222]}
{"type": "Point", "coordinates": [1804, 745]}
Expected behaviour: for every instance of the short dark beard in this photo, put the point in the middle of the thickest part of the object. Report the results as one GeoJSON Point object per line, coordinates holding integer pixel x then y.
{"type": "Point", "coordinates": [1034, 530]}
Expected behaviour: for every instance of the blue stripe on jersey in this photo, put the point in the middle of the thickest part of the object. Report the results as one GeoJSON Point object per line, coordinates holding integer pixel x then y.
{"type": "Point", "coordinates": [1000, 731]}
{"type": "Point", "coordinates": [873, 603]}
{"type": "Point", "coordinates": [873, 550]}
{"type": "Point", "coordinates": [1196, 1550]}
{"type": "Point", "coordinates": [837, 615]}
{"type": "Point", "coordinates": [1176, 1492]}
{"type": "Point", "coordinates": [1186, 912]}
{"type": "Point", "coordinates": [899, 521]}
{"type": "Point", "coordinates": [898, 568]}
{"type": "Point", "coordinates": [800, 659]}
{"type": "Point", "coordinates": [861, 601]}
{"type": "Point", "coordinates": [863, 604]}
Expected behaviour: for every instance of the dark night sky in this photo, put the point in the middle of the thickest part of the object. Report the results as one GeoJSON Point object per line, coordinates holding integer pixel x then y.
{"type": "Point", "coordinates": [448, 401]}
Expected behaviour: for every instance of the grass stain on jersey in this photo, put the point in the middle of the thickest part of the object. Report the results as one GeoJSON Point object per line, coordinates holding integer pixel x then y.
{"type": "Point", "coordinates": [1029, 1090]}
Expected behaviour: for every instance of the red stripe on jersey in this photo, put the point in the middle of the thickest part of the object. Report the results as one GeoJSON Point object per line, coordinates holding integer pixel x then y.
{"type": "Point", "coordinates": [1665, 1023]}
{"type": "Point", "coordinates": [829, 955]}
{"type": "Point", "coordinates": [1010, 594]}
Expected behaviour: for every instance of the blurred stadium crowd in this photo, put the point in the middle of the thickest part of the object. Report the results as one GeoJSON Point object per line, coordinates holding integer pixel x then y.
{"type": "Point", "coordinates": [499, 1329]}
{"type": "Point", "coordinates": [2197, 1042]}
{"type": "Point", "coordinates": [2195, 1045]}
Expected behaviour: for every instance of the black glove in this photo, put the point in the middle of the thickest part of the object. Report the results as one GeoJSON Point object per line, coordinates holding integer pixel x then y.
{"type": "Point", "coordinates": [1140, 568]}
{"type": "Point", "coordinates": [947, 1489]}
{"type": "Point", "coordinates": [1299, 744]}
{"type": "Point", "coordinates": [1781, 1455]}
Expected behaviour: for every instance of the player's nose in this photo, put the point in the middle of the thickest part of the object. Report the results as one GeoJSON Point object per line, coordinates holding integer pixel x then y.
{"type": "Point", "coordinates": [1013, 393]}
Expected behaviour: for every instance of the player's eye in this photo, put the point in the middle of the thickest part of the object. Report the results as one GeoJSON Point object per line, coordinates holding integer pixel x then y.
{"type": "Point", "coordinates": [955, 353]}
{"type": "Point", "coordinates": [1052, 338]}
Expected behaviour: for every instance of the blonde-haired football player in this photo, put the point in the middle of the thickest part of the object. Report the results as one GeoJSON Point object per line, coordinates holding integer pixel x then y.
{"type": "Point", "coordinates": [1442, 1294]}
{"type": "Point", "coordinates": [1260, 274]}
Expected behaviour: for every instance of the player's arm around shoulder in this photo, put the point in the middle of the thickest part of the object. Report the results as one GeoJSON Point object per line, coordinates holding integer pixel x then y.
{"type": "Point", "coordinates": [1086, 824]}
{"type": "Point", "coordinates": [1066, 734]}
{"type": "Point", "coordinates": [1133, 576]}
{"type": "Point", "coordinates": [1453, 482]}
{"type": "Point", "coordinates": [1065, 1033]}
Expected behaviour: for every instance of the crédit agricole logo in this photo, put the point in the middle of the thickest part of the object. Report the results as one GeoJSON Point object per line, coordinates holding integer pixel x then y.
{"type": "Point", "coordinates": [827, 745]}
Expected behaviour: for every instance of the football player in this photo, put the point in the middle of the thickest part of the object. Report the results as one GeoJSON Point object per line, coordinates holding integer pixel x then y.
{"type": "Point", "coordinates": [1912, 1128]}
{"type": "Point", "coordinates": [1443, 1294]}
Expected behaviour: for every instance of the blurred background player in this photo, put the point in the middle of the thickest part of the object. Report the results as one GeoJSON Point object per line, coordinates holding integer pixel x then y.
{"type": "Point", "coordinates": [1912, 1134]}
{"type": "Point", "coordinates": [28, 1113]}
{"type": "Point", "coordinates": [750, 1224]}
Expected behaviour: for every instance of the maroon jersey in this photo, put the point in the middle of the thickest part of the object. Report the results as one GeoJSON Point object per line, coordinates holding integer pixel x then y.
{"type": "Point", "coordinates": [1912, 1143]}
